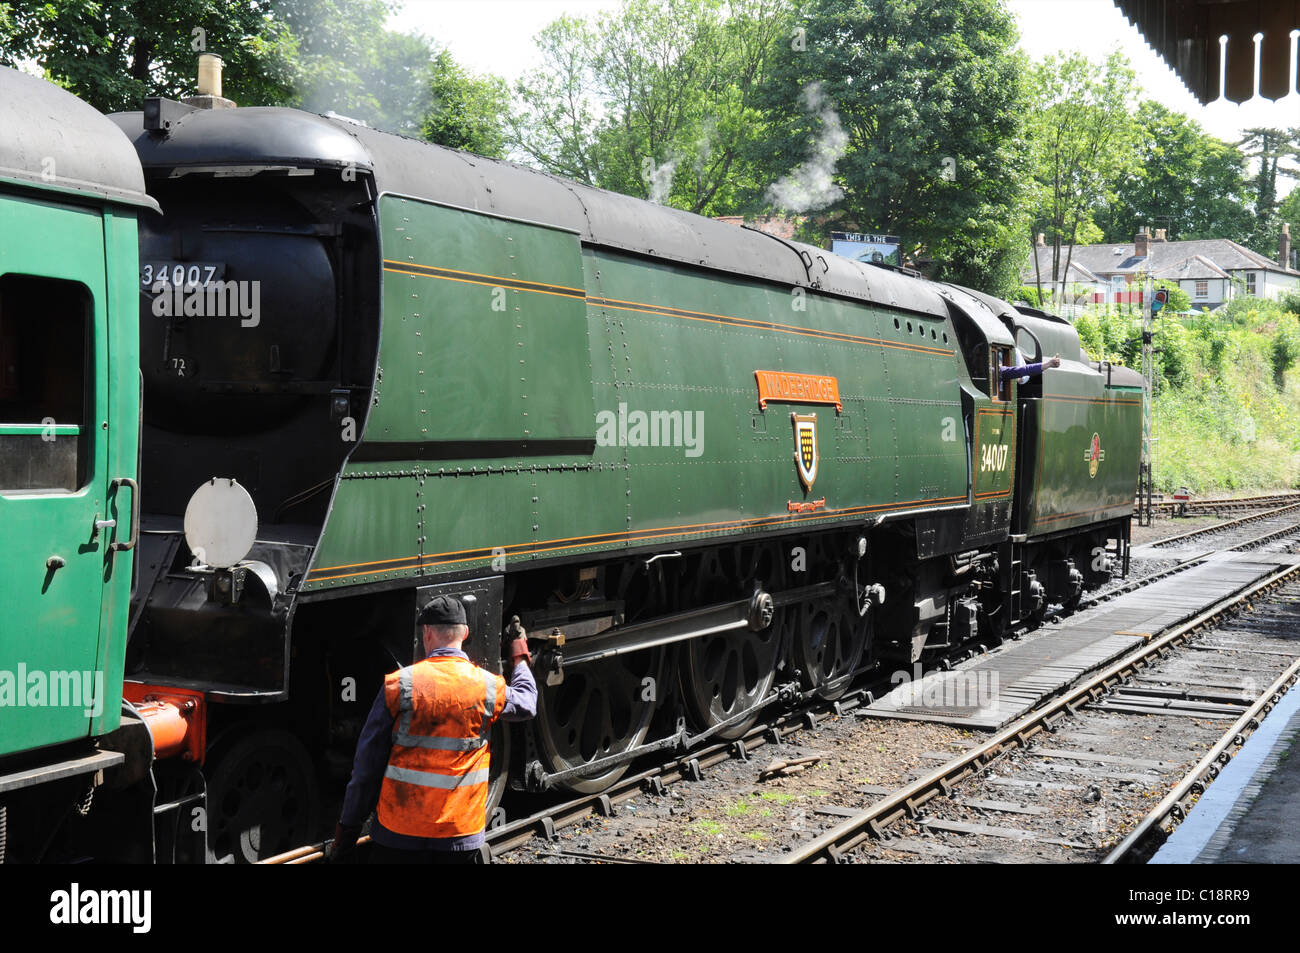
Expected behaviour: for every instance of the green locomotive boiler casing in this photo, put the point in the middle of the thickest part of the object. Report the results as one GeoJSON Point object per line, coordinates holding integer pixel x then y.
{"type": "Point", "coordinates": [538, 399]}
{"type": "Point", "coordinates": [71, 188]}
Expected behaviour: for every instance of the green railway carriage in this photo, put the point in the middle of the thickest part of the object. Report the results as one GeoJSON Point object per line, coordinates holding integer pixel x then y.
{"type": "Point", "coordinates": [700, 462]}
{"type": "Point", "coordinates": [70, 192]}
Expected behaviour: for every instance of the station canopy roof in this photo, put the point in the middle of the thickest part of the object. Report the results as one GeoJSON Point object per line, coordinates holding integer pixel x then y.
{"type": "Point", "coordinates": [1186, 34]}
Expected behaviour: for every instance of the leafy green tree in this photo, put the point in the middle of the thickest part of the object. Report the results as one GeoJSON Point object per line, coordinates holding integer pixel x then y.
{"type": "Point", "coordinates": [1184, 180]}
{"type": "Point", "coordinates": [654, 99]}
{"type": "Point", "coordinates": [113, 54]}
{"type": "Point", "coordinates": [928, 97]}
{"type": "Point", "coordinates": [466, 111]}
{"type": "Point", "coordinates": [1084, 143]}
{"type": "Point", "coordinates": [1270, 147]}
{"type": "Point", "coordinates": [321, 55]}
{"type": "Point", "coordinates": [1179, 300]}
{"type": "Point", "coordinates": [347, 62]}
{"type": "Point", "coordinates": [6, 26]}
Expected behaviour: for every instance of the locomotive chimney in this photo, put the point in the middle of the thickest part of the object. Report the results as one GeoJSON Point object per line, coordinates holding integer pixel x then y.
{"type": "Point", "coordinates": [210, 65]}
{"type": "Point", "coordinates": [1140, 241]}
{"type": "Point", "coordinates": [209, 95]}
{"type": "Point", "coordinates": [1284, 246]}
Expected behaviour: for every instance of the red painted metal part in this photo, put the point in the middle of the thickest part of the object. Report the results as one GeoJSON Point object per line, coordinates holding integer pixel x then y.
{"type": "Point", "coordinates": [177, 719]}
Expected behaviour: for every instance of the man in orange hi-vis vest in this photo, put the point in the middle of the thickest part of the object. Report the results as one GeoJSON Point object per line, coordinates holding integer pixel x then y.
{"type": "Point", "coordinates": [423, 753]}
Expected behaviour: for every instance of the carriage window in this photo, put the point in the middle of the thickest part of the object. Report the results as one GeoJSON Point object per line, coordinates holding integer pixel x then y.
{"type": "Point", "coordinates": [45, 383]}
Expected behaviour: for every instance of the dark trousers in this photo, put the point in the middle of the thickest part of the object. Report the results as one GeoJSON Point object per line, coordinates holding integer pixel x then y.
{"type": "Point", "coordinates": [379, 854]}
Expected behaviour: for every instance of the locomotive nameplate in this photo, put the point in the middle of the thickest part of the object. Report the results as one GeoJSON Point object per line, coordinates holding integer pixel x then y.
{"type": "Point", "coordinates": [797, 388]}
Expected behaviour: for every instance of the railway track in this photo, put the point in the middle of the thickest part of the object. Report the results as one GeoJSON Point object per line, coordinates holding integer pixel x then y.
{"type": "Point", "coordinates": [1213, 507]}
{"type": "Point", "coordinates": [1176, 804]}
{"type": "Point", "coordinates": [691, 758]}
{"type": "Point", "coordinates": [1277, 514]}
{"type": "Point", "coordinates": [949, 805]}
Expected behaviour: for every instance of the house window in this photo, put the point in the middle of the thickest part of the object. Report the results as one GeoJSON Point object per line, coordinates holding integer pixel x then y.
{"type": "Point", "coordinates": [1250, 282]}
{"type": "Point", "coordinates": [1202, 289]}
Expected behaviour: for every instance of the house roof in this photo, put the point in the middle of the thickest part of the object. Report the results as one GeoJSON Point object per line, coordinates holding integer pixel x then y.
{"type": "Point", "coordinates": [1076, 271]}
{"type": "Point", "coordinates": [1163, 259]}
{"type": "Point", "coordinates": [1197, 266]}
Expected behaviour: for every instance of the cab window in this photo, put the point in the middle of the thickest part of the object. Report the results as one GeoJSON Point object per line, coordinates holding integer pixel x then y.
{"type": "Point", "coordinates": [1000, 357]}
{"type": "Point", "coordinates": [45, 383]}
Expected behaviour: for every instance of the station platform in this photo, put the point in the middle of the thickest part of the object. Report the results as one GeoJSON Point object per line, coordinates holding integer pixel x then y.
{"type": "Point", "coordinates": [993, 690]}
{"type": "Point", "coordinates": [1251, 813]}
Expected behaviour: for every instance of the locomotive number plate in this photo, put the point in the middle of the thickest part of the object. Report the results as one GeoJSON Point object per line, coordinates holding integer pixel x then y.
{"type": "Point", "coordinates": [187, 274]}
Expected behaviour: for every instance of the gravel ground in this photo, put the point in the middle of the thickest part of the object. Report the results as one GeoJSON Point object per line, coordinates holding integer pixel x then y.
{"type": "Point", "coordinates": [1162, 527]}
{"type": "Point", "coordinates": [731, 815]}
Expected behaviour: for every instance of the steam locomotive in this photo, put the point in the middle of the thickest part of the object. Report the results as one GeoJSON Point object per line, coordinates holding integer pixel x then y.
{"type": "Point", "coordinates": [707, 467]}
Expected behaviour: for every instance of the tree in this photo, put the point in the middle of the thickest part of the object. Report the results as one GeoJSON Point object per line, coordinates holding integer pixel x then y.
{"type": "Point", "coordinates": [1084, 143]}
{"type": "Point", "coordinates": [1185, 181]}
{"type": "Point", "coordinates": [1289, 212]}
{"type": "Point", "coordinates": [1269, 146]}
{"type": "Point", "coordinates": [654, 99]}
{"type": "Point", "coordinates": [1221, 207]}
{"type": "Point", "coordinates": [347, 62]}
{"type": "Point", "coordinates": [1179, 300]}
{"type": "Point", "coordinates": [466, 111]}
{"type": "Point", "coordinates": [928, 98]}
{"type": "Point", "coordinates": [320, 55]}
{"type": "Point", "coordinates": [113, 54]}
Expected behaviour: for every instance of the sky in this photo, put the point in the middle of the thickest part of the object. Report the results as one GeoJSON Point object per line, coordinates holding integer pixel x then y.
{"type": "Point", "coordinates": [1093, 27]}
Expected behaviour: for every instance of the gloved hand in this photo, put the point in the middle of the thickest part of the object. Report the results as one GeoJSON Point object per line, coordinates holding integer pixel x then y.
{"type": "Point", "coordinates": [343, 850]}
{"type": "Point", "coordinates": [514, 646]}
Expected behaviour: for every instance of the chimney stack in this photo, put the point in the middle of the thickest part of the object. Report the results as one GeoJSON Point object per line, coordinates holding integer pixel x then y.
{"type": "Point", "coordinates": [1160, 235]}
{"type": "Point", "coordinates": [209, 95]}
{"type": "Point", "coordinates": [1140, 241]}
{"type": "Point", "coordinates": [1042, 239]}
{"type": "Point", "coordinates": [1284, 246]}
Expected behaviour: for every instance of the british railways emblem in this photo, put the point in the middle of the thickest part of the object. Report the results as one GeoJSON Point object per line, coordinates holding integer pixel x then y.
{"type": "Point", "coordinates": [1094, 455]}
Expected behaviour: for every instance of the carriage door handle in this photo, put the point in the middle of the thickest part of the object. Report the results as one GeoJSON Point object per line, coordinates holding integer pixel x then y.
{"type": "Point", "coordinates": [135, 515]}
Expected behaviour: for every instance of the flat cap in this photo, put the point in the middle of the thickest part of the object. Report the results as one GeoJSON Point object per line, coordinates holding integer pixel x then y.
{"type": "Point", "coordinates": [442, 610]}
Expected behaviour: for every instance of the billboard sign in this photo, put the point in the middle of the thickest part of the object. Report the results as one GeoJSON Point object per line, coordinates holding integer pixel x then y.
{"type": "Point", "coordinates": [866, 246]}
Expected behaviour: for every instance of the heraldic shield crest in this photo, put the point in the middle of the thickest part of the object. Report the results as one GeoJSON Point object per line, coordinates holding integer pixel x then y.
{"type": "Point", "coordinates": [805, 448]}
